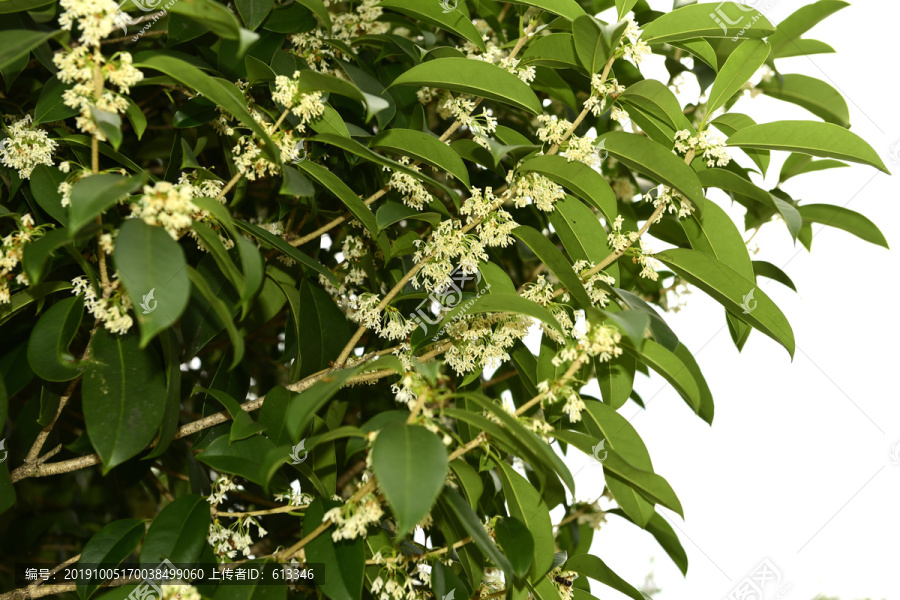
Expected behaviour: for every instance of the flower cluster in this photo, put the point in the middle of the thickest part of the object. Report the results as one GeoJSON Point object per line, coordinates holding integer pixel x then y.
{"type": "Point", "coordinates": [710, 146]}
{"type": "Point", "coordinates": [592, 281]}
{"type": "Point", "coordinates": [112, 311]}
{"type": "Point", "coordinates": [248, 155]}
{"type": "Point", "coordinates": [673, 200]}
{"type": "Point", "coordinates": [394, 581]}
{"type": "Point", "coordinates": [483, 340]}
{"type": "Point", "coordinates": [600, 91]}
{"type": "Point", "coordinates": [411, 189]}
{"type": "Point", "coordinates": [585, 149]}
{"type": "Point", "coordinates": [589, 514]}
{"type": "Point", "coordinates": [11, 248]}
{"type": "Point", "coordinates": [446, 245]}
{"type": "Point", "coordinates": [228, 541]}
{"type": "Point", "coordinates": [352, 518]}
{"type": "Point", "coordinates": [534, 188]}
{"type": "Point", "coordinates": [95, 18]}
{"type": "Point", "coordinates": [78, 66]}
{"type": "Point", "coordinates": [562, 580]}
{"type": "Point", "coordinates": [461, 109]}
{"type": "Point", "coordinates": [387, 323]}
{"type": "Point", "coordinates": [555, 391]}
{"type": "Point", "coordinates": [314, 46]}
{"type": "Point", "coordinates": [635, 49]}
{"type": "Point", "coordinates": [308, 106]}
{"type": "Point", "coordinates": [553, 129]}
{"type": "Point", "coordinates": [166, 205]}
{"type": "Point", "coordinates": [541, 291]}
{"type": "Point", "coordinates": [26, 147]}
{"type": "Point", "coordinates": [495, 54]}
{"type": "Point", "coordinates": [619, 240]}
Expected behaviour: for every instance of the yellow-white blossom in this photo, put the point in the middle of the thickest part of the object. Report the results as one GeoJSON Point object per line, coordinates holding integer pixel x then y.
{"type": "Point", "coordinates": [26, 147]}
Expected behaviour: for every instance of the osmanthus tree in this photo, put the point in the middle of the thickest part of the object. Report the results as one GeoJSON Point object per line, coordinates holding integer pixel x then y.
{"type": "Point", "coordinates": [267, 270]}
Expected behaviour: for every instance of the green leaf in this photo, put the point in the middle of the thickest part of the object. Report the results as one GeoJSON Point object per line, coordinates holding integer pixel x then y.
{"type": "Point", "coordinates": [340, 189]}
{"type": "Point", "coordinates": [655, 161]}
{"type": "Point", "coordinates": [731, 122]}
{"type": "Point", "coordinates": [734, 183]}
{"type": "Point", "coordinates": [394, 212]}
{"type": "Point", "coordinates": [136, 118]}
{"type": "Point", "coordinates": [556, 50]}
{"type": "Point", "coordinates": [424, 148]}
{"type": "Point", "coordinates": [568, 9]}
{"type": "Point", "coordinates": [737, 70]}
{"type": "Point", "coordinates": [475, 77]}
{"type": "Point", "coordinates": [345, 560]}
{"type": "Point", "coordinates": [123, 397]}
{"type": "Point", "coordinates": [50, 106]}
{"type": "Point", "coordinates": [624, 6]}
{"type": "Point", "coordinates": [581, 233]}
{"type": "Point", "coordinates": [12, 6]}
{"type": "Point", "coordinates": [668, 365]}
{"type": "Point", "coordinates": [846, 219]}
{"type": "Point", "coordinates": [766, 269]}
{"type": "Point", "coordinates": [152, 267]}
{"type": "Point", "coordinates": [18, 43]}
{"type": "Point", "coordinates": [245, 458]}
{"type": "Point", "coordinates": [48, 345]}
{"type": "Point", "coordinates": [242, 426]}
{"type": "Point", "coordinates": [732, 290]}
{"type": "Point", "coordinates": [616, 379]}
{"type": "Point", "coordinates": [517, 544]}
{"type": "Point", "coordinates": [472, 525]}
{"type": "Point", "coordinates": [797, 164]}
{"type": "Point", "coordinates": [310, 80]}
{"type": "Point", "coordinates": [178, 533]}
{"type": "Point", "coordinates": [224, 93]}
{"type": "Point", "coordinates": [223, 313]}
{"type": "Point", "coordinates": [281, 245]}
{"type": "Point", "coordinates": [550, 255]}
{"type": "Point", "coordinates": [110, 124]}
{"type": "Point", "coordinates": [29, 295]}
{"type": "Point", "coordinates": [801, 21]}
{"type": "Point", "coordinates": [410, 463]}
{"type": "Point", "coordinates": [91, 196]}
{"type": "Point", "coordinates": [108, 548]}
{"type": "Point", "coordinates": [825, 140]}
{"type": "Point", "coordinates": [656, 99]}
{"type": "Point", "coordinates": [44, 185]}
{"type": "Point", "coordinates": [324, 330]}
{"type": "Point", "coordinates": [595, 42]}
{"type": "Point", "coordinates": [526, 505]}
{"type": "Point", "coordinates": [727, 20]}
{"type": "Point", "coordinates": [215, 17]}
{"type": "Point", "coordinates": [591, 566]}
{"type": "Point", "coordinates": [37, 254]}
{"type": "Point", "coordinates": [433, 13]}
{"type": "Point", "coordinates": [813, 94]}
{"type": "Point", "coordinates": [803, 48]}
{"type": "Point", "coordinates": [254, 12]}
{"type": "Point", "coordinates": [715, 233]}
{"type": "Point", "coordinates": [580, 179]}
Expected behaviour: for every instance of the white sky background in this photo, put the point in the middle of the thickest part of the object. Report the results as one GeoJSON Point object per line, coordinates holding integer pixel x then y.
{"type": "Point", "coordinates": [799, 452]}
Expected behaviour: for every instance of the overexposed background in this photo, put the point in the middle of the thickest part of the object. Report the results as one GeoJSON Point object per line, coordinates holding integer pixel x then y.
{"type": "Point", "coordinates": [797, 466]}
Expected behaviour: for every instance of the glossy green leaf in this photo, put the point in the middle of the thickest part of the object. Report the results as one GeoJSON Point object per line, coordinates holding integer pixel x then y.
{"type": "Point", "coordinates": [512, 303]}
{"type": "Point", "coordinates": [825, 140]}
{"type": "Point", "coordinates": [346, 559]}
{"type": "Point", "coordinates": [731, 290]}
{"type": "Point", "coordinates": [733, 183]}
{"type": "Point", "coordinates": [410, 463]}
{"type": "Point", "coordinates": [550, 255]}
{"type": "Point", "coordinates": [50, 106]}
{"type": "Point", "coordinates": [766, 269]}
{"type": "Point", "coordinates": [846, 219]}
{"type": "Point", "coordinates": [517, 544]}
{"type": "Point", "coordinates": [254, 12]}
{"type": "Point", "coordinates": [471, 524]}
{"type": "Point", "coordinates": [223, 313]}
{"type": "Point", "coordinates": [616, 379]}
{"type": "Point", "coordinates": [733, 121]}
{"type": "Point", "coordinates": [799, 164]}
{"type": "Point", "coordinates": [222, 92]}
{"type": "Point", "coordinates": [434, 13]}
{"type": "Point", "coordinates": [568, 9]}
{"type": "Point", "coordinates": [526, 505]}
{"type": "Point", "coordinates": [816, 96]}
{"type": "Point", "coordinates": [241, 457]}
{"type": "Point", "coordinates": [737, 70]}
{"type": "Point", "coordinates": [475, 77]}
{"type": "Point", "coordinates": [595, 42]}
{"type": "Point", "coordinates": [282, 246]}
{"type": "Point", "coordinates": [655, 161]}
{"type": "Point", "coordinates": [580, 179]}
{"type": "Point", "coordinates": [424, 148]}
{"type": "Point", "coordinates": [178, 533]}
{"type": "Point", "coordinates": [107, 549]}
{"type": "Point", "coordinates": [591, 566]}
{"type": "Point", "coordinates": [624, 6]}
{"type": "Point", "coordinates": [340, 189]}
{"type": "Point", "coordinates": [153, 269]}
{"type": "Point", "coordinates": [123, 397]}
{"type": "Point", "coordinates": [93, 195]}
{"type": "Point", "coordinates": [18, 43]}
{"type": "Point", "coordinates": [726, 20]}
{"type": "Point", "coordinates": [48, 346]}
{"type": "Point", "coordinates": [801, 21]}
